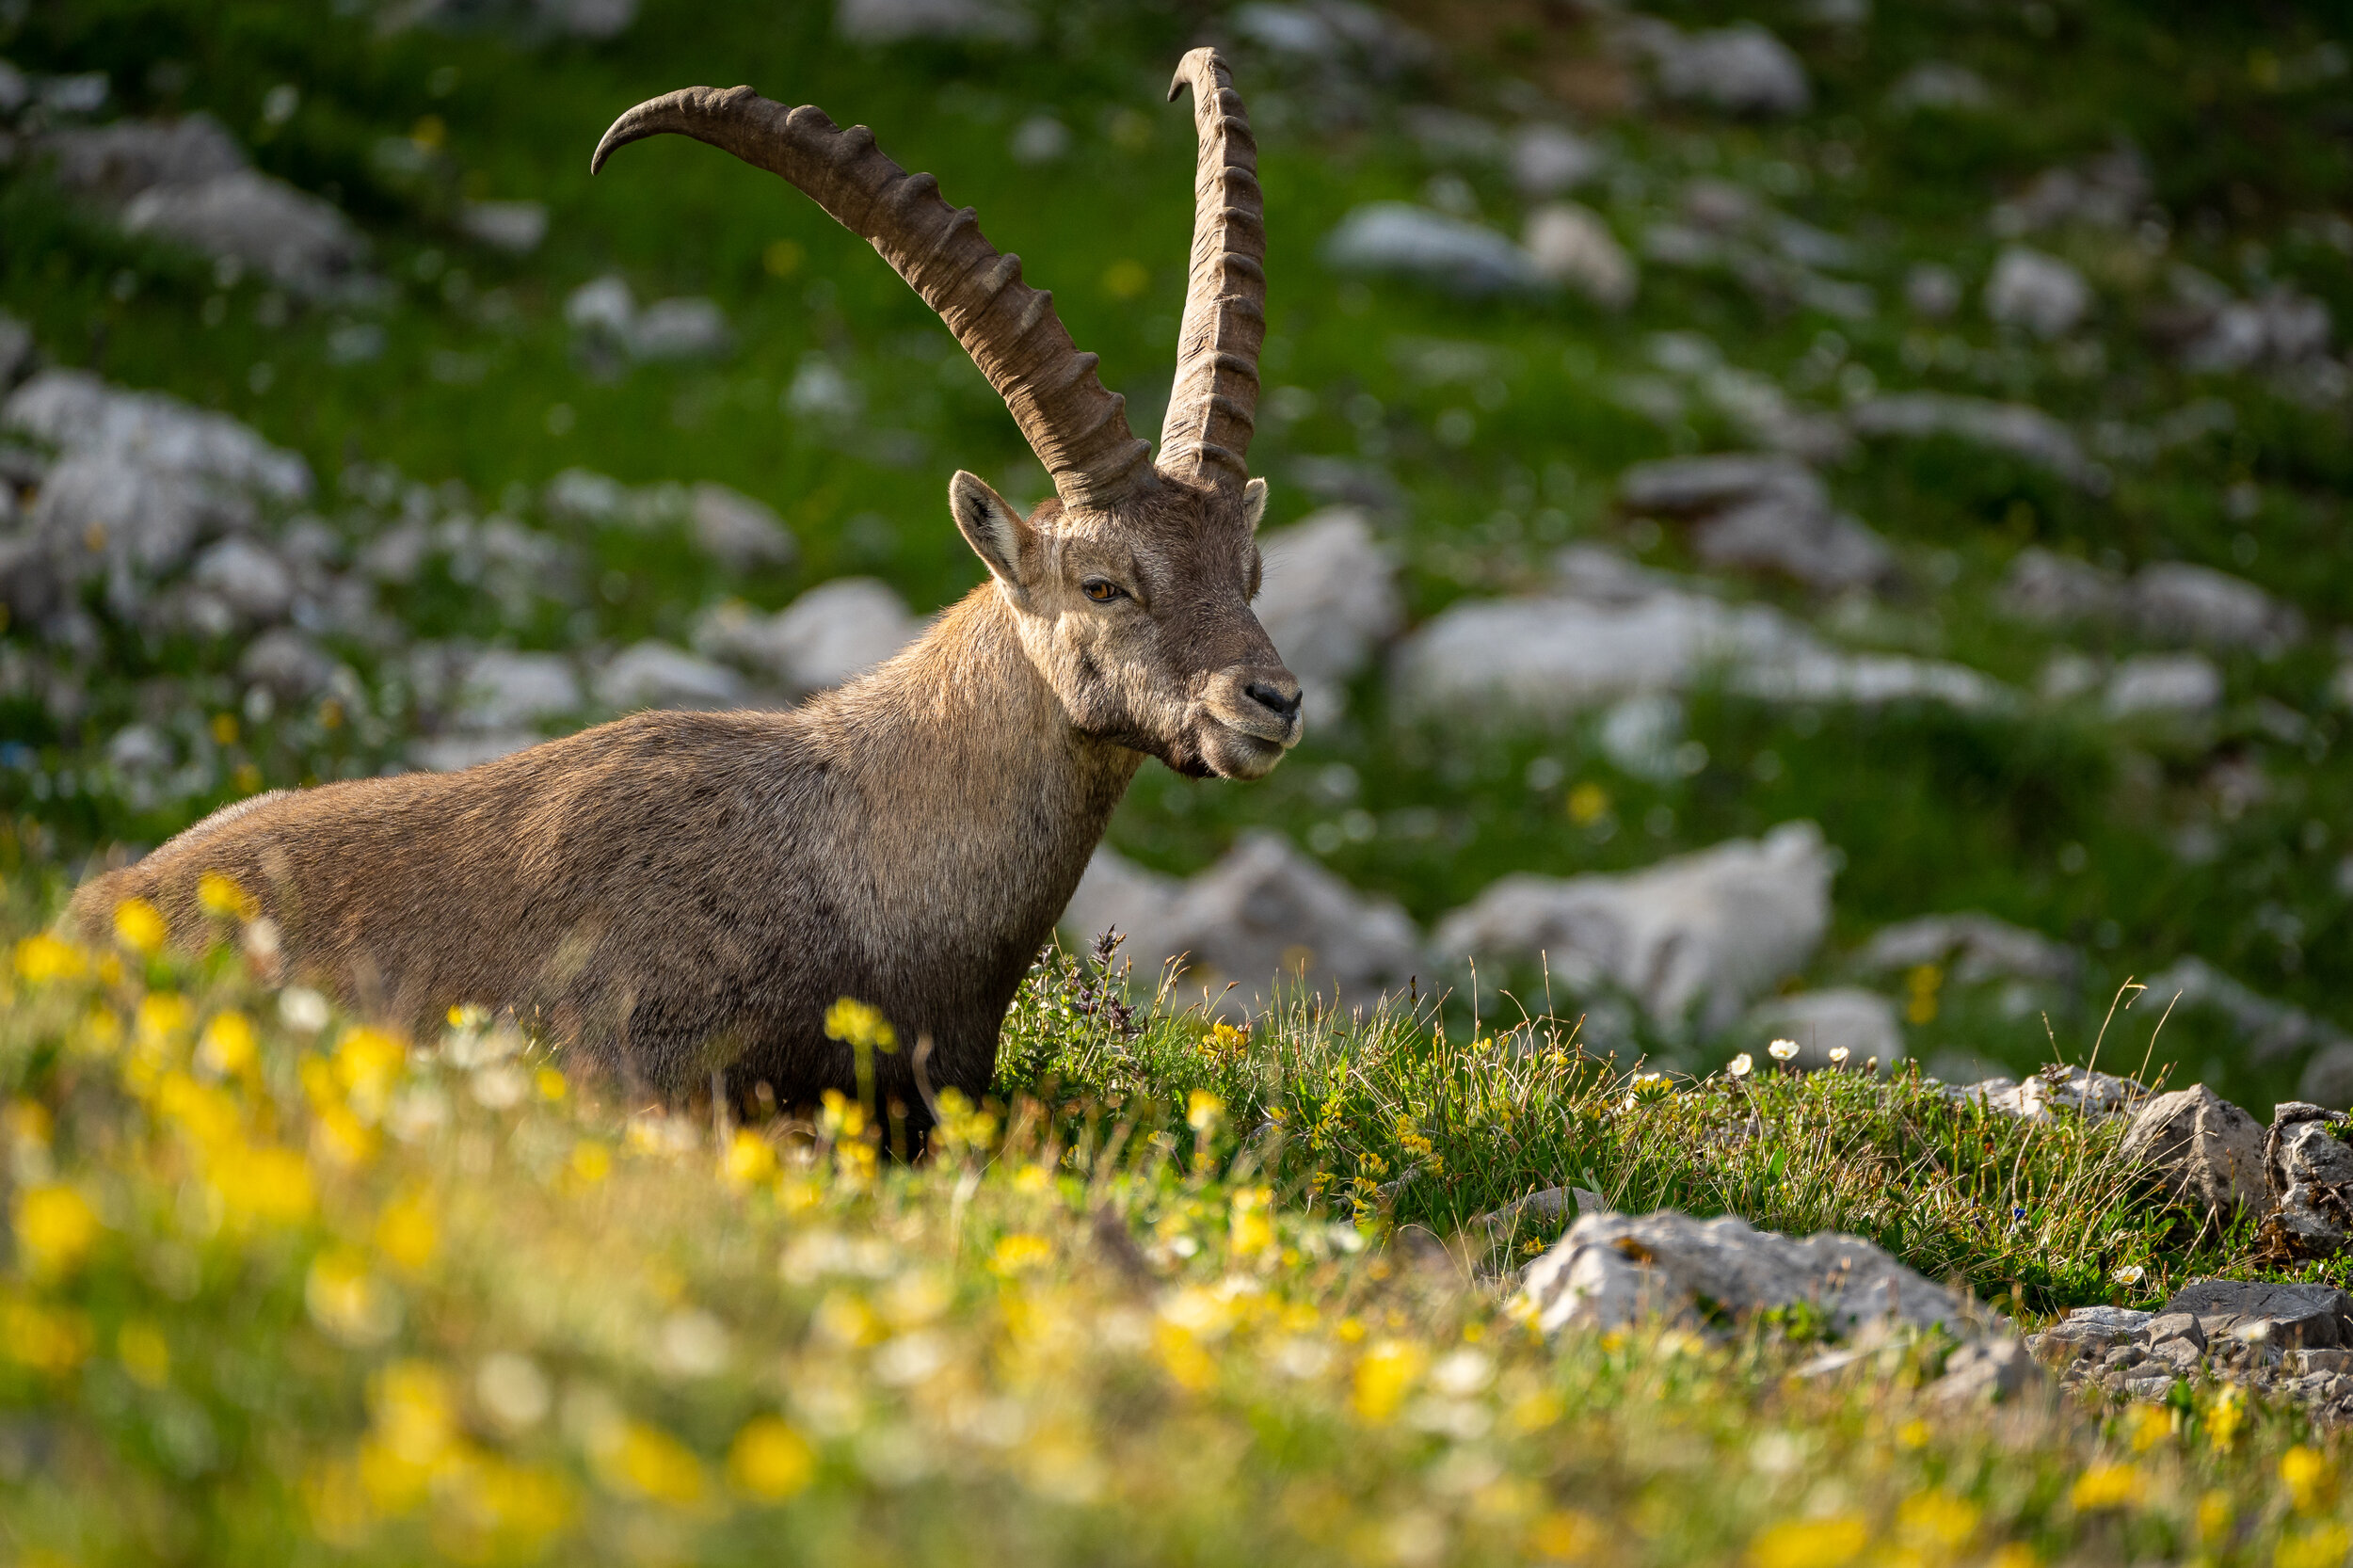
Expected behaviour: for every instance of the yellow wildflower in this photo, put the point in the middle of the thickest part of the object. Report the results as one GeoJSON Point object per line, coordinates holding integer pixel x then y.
{"type": "Point", "coordinates": [1566, 1535]}
{"type": "Point", "coordinates": [1384, 1374]}
{"type": "Point", "coordinates": [224, 896]}
{"type": "Point", "coordinates": [590, 1163]}
{"type": "Point", "coordinates": [44, 957]}
{"type": "Point", "coordinates": [405, 1232]}
{"type": "Point", "coordinates": [139, 926]}
{"type": "Point", "coordinates": [53, 1340]}
{"type": "Point", "coordinates": [229, 1045]}
{"type": "Point", "coordinates": [367, 1063]}
{"type": "Point", "coordinates": [769, 1460]}
{"type": "Point", "coordinates": [550, 1083]}
{"type": "Point", "coordinates": [2310, 1480]}
{"type": "Point", "coordinates": [56, 1227]}
{"type": "Point", "coordinates": [649, 1461]}
{"type": "Point", "coordinates": [1588, 803]}
{"type": "Point", "coordinates": [2105, 1486]}
{"type": "Point", "coordinates": [1937, 1520]}
{"type": "Point", "coordinates": [1829, 1543]}
{"type": "Point", "coordinates": [1202, 1110]}
{"type": "Point", "coordinates": [2318, 1546]}
{"type": "Point", "coordinates": [749, 1161]}
{"type": "Point", "coordinates": [1019, 1253]}
{"type": "Point", "coordinates": [859, 1024]}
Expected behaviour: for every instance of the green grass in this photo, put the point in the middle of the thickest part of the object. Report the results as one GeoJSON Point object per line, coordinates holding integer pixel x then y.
{"type": "Point", "coordinates": [287, 1294]}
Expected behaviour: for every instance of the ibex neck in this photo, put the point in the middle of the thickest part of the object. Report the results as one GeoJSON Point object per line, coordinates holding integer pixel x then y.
{"type": "Point", "coordinates": [978, 786]}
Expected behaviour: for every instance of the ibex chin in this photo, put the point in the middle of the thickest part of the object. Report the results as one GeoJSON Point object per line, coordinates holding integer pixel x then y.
{"type": "Point", "coordinates": [679, 894]}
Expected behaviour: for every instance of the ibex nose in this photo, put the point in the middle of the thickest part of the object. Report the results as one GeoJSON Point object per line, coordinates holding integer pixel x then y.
{"type": "Point", "coordinates": [1280, 698]}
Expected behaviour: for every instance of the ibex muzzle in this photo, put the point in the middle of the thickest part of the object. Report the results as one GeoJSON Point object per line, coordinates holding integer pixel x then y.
{"type": "Point", "coordinates": [683, 893]}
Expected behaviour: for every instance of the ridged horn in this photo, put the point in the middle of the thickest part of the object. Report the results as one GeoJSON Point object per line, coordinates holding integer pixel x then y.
{"type": "Point", "coordinates": [1076, 427]}
{"type": "Point", "coordinates": [1213, 406]}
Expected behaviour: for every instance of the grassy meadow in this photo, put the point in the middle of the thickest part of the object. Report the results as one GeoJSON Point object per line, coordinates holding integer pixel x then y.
{"type": "Point", "coordinates": [280, 1286]}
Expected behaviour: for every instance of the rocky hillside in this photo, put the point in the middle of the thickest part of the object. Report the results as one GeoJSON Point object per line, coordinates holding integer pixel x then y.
{"type": "Point", "coordinates": [1811, 523]}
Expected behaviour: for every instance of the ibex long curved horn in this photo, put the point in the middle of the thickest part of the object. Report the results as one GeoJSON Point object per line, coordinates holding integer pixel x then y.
{"type": "Point", "coordinates": [1078, 429]}
{"type": "Point", "coordinates": [1213, 406]}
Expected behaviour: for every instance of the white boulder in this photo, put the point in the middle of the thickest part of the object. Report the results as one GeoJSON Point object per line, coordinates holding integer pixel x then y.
{"type": "Point", "coordinates": [2036, 291]}
{"type": "Point", "coordinates": [832, 632]}
{"type": "Point", "coordinates": [2017, 428]}
{"type": "Point", "coordinates": [1694, 938]}
{"type": "Point", "coordinates": [1741, 70]}
{"type": "Point", "coordinates": [302, 242]}
{"type": "Point", "coordinates": [1840, 1018]}
{"type": "Point", "coordinates": [1761, 513]}
{"type": "Point", "coordinates": [2179, 685]}
{"type": "Point", "coordinates": [738, 532]}
{"type": "Point", "coordinates": [653, 674]}
{"type": "Point", "coordinates": [1262, 917]}
{"type": "Point", "coordinates": [502, 690]}
{"type": "Point", "coordinates": [1329, 600]}
{"type": "Point", "coordinates": [1547, 160]}
{"type": "Point", "coordinates": [1592, 1279]}
{"type": "Point", "coordinates": [1569, 244]}
{"type": "Point", "coordinates": [1453, 253]}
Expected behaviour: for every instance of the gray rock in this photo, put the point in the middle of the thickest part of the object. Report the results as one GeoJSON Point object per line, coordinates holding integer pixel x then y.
{"type": "Point", "coordinates": [1986, 1371]}
{"type": "Point", "coordinates": [251, 580]}
{"type": "Point", "coordinates": [457, 753]}
{"type": "Point", "coordinates": [2177, 1328]}
{"type": "Point", "coordinates": [603, 307]}
{"type": "Point", "coordinates": [297, 239]}
{"type": "Point", "coordinates": [514, 226]}
{"type": "Point", "coordinates": [2096, 1330]}
{"type": "Point", "coordinates": [1546, 658]}
{"type": "Point", "coordinates": [878, 22]}
{"type": "Point", "coordinates": [115, 163]}
{"type": "Point", "coordinates": [1696, 937]}
{"type": "Point", "coordinates": [1938, 84]}
{"type": "Point", "coordinates": [2017, 428]}
{"type": "Point", "coordinates": [2208, 1151]}
{"type": "Point", "coordinates": [653, 674]}
{"type": "Point", "coordinates": [97, 515]}
{"type": "Point", "coordinates": [2050, 589]}
{"type": "Point", "coordinates": [1449, 252]}
{"type": "Point", "coordinates": [1547, 160]}
{"type": "Point", "coordinates": [1761, 513]}
{"type": "Point", "coordinates": [683, 329]}
{"type": "Point", "coordinates": [738, 532]}
{"type": "Point", "coordinates": [1975, 948]}
{"type": "Point", "coordinates": [1614, 1270]}
{"type": "Point", "coordinates": [2173, 685]}
{"type": "Point", "coordinates": [1569, 244]}
{"type": "Point", "coordinates": [288, 662]}
{"type": "Point", "coordinates": [2060, 1085]}
{"type": "Point", "coordinates": [1329, 600]}
{"type": "Point", "coordinates": [76, 412]}
{"type": "Point", "coordinates": [1932, 290]}
{"type": "Point", "coordinates": [2318, 1317]}
{"type": "Point", "coordinates": [503, 691]}
{"type": "Point", "coordinates": [1262, 917]}
{"type": "Point", "coordinates": [831, 633]}
{"type": "Point", "coordinates": [2309, 1176]}
{"type": "Point", "coordinates": [2038, 292]}
{"type": "Point", "coordinates": [1861, 1023]}
{"type": "Point", "coordinates": [2268, 1030]}
{"type": "Point", "coordinates": [1742, 69]}
{"type": "Point", "coordinates": [2106, 192]}
{"type": "Point", "coordinates": [2173, 601]}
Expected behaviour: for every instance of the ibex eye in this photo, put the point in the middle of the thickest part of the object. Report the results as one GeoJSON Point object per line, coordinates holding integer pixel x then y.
{"type": "Point", "coordinates": [1101, 590]}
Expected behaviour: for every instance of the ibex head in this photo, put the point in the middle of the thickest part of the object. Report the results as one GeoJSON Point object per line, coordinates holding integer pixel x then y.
{"type": "Point", "coordinates": [1132, 588]}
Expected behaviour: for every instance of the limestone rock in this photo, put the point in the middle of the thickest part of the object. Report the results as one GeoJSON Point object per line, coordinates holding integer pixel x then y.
{"type": "Point", "coordinates": [1569, 244]}
{"type": "Point", "coordinates": [2163, 685]}
{"type": "Point", "coordinates": [832, 632]}
{"type": "Point", "coordinates": [1975, 948]}
{"type": "Point", "coordinates": [2208, 1151]}
{"type": "Point", "coordinates": [894, 21]}
{"type": "Point", "coordinates": [1741, 70]}
{"type": "Point", "coordinates": [1614, 1270]}
{"type": "Point", "coordinates": [2018, 428]}
{"type": "Point", "coordinates": [738, 532]}
{"type": "Point", "coordinates": [300, 242]}
{"type": "Point", "coordinates": [2310, 1176]}
{"type": "Point", "coordinates": [1696, 937]}
{"type": "Point", "coordinates": [514, 226]}
{"type": "Point", "coordinates": [1452, 253]}
{"type": "Point", "coordinates": [653, 674]}
{"type": "Point", "coordinates": [1546, 160]}
{"type": "Point", "coordinates": [76, 412]}
{"type": "Point", "coordinates": [288, 662]}
{"type": "Point", "coordinates": [1263, 915]}
{"type": "Point", "coordinates": [505, 691]}
{"type": "Point", "coordinates": [1761, 513]}
{"type": "Point", "coordinates": [115, 163]}
{"type": "Point", "coordinates": [2313, 1316]}
{"type": "Point", "coordinates": [249, 578]}
{"type": "Point", "coordinates": [1328, 600]}
{"type": "Point", "coordinates": [1842, 1017]}
{"type": "Point", "coordinates": [2038, 292]}
{"type": "Point", "coordinates": [2060, 1085]}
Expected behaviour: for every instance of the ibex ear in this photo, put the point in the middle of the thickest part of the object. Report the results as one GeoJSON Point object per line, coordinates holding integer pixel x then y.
{"type": "Point", "coordinates": [1253, 501]}
{"type": "Point", "coordinates": [1005, 543]}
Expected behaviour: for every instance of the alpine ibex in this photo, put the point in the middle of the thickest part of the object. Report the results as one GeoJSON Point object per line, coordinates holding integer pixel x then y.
{"type": "Point", "coordinates": [683, 893]}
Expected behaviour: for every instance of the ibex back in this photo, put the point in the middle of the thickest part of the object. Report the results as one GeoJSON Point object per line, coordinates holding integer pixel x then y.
{"type": "Point", "coordinates": [679, 894]}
